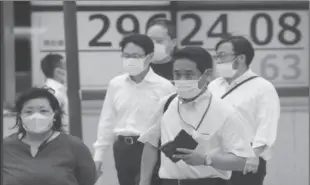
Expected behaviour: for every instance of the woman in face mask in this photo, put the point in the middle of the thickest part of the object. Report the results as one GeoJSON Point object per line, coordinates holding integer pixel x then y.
{"type": "Point", "coordinates": [40, 153]}
{"type": "Point", "coordinates": [163, 33]}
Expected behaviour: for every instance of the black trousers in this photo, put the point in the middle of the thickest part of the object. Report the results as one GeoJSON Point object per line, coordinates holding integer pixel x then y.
{"type": "Point", "coordinates": [128, 161]}
{"type": "Point", "coordinates": [257, 178]}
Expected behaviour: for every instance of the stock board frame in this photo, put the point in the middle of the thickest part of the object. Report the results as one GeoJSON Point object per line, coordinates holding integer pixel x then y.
{"type": "Point", "coordinates": [174, 7]}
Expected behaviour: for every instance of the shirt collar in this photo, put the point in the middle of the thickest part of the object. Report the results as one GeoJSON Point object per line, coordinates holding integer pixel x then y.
{"type": "Point", "coordinates": [249, 73]}
{"type": "Point", "coordinates": [151, 76]}
{"type": "Point", "coordinates": [53, 84]}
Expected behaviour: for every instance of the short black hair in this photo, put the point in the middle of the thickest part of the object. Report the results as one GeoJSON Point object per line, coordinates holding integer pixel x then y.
{"type": "Point", "coordinates": [166, 23]}
{"type": "Point", "coordinates": [34, 93]}
{"type": "Point", "coordinates": [49, 63]}
{"type": "Point", "coordinates": [141, 40]}
{"type": "Point", "coordinates": [241, 45]}
{"type": "Point", "coordinates": [199, 55]}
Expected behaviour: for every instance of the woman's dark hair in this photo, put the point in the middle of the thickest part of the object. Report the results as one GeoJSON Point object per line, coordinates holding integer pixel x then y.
{"type": "Point", "coordinates": [34, 93]}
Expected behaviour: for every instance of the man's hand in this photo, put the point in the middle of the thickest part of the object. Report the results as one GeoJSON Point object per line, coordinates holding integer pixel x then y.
{"type": "Point", "coordinates": [99, 166]}
{"type": "Point", "coordinates": [251, 165]}
{"type": "Point", "coordinates": [191, 157]}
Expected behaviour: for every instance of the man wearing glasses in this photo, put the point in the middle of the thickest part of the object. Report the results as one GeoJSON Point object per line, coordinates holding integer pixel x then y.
{"type": "Point", "coordinates": [255, 98]}
{"type": "Point", "coordinates": [130, 102]}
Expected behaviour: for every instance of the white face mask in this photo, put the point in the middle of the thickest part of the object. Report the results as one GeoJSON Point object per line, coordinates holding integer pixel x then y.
{"type": "Point", "coordinates": [226, 70]}
{"type": "Point", "coordinates": [38, 123]}
{"type": "Point", "coordinates": [160, 52]}
{"type": "Point", "coordinates": [61, 75]}
{"type": "Point", "coordinates": [134, 66]}
{"type": "Point", "coordinates": [187, 88]}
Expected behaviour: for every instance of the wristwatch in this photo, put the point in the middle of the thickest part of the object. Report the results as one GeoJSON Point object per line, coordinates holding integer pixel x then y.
{"type": "Point", "coordinates": [208, 161]}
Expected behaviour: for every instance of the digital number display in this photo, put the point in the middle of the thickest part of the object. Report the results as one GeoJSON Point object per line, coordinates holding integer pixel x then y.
{"type": "Point", "coordinates": [280, 39]}
{"type": "Point", "coordinates": [97, 30]}
{"type": "Point", "coordinates": [282, 68]}
{"type": "Point", "coordinates": [118, 25]}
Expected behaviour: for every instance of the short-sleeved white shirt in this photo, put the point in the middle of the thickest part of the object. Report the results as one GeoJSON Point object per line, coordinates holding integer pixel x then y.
{"type": "Point", "coordinates": [258, 103]}
{"type": "Point", "coordinates": [221, 130]}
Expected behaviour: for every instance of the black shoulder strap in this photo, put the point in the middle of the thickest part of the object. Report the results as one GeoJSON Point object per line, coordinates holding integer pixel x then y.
{"type": "Point", "coordinates": [238, 85]}
{"type": "Point", "coordinates": [165, 108]}
{"type": "Point", "coordinates": [169, 101]}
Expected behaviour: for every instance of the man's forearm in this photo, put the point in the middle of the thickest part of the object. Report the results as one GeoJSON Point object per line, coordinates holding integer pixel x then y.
{"type": "Point", "coordinates": [259, 150]}
{"type": "Point", "coordinates": [148, 162]}
{"type": "Point", "coordinates": [227, 162]}
{"type": "Point", "coordinates": [100, 150]}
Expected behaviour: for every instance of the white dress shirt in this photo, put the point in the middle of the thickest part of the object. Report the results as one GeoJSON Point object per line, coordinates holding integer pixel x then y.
{"type": "Point", "coordinates": [258, 103]}
{"type": "Point", "coordinates": [61, 95]}
{"type": "Point", "coordinates": [127, 108]}
{"type": "Point", "coordinates": [220, 130]}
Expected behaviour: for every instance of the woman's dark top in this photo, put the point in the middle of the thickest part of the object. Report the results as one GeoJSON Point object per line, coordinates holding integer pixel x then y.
{"type": "Point", "coordinates": [163, 70]}
{"type": "Point", "coordinates": [65, 160]}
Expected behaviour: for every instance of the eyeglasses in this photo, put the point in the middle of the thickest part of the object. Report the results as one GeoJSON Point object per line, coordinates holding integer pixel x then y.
{"type": "Point", "coordinates": [224, 57]}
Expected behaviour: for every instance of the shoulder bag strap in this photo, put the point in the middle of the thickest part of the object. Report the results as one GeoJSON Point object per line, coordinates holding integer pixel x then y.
{"type": "Point", "coordinates": [169, 101]}
{"type": "Point", "coordinates": [238, 85]}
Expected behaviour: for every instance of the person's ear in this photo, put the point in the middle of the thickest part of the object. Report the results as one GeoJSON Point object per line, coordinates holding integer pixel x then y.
{"type": "Point", "coordinates": [149, 58]}
{"type": "Point", "coordinates": [209, 75]}
{"type": "Point", "coordinates": [206, 78]}
{"type": "Point", "coordinates": [241, 60]}
{"type": "Point", "coordinates": [57, 71]}
{"type": "Point", "coordinates": [56, 112]}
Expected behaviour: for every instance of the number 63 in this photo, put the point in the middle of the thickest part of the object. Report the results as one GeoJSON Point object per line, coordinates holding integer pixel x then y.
{"type": "Point", "coordinates": [270, 71]}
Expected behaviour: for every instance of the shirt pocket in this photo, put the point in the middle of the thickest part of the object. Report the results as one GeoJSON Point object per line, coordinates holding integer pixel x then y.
{"type": "Point", "coordinates": [202, 139]}
{"type": "Point", "coordinates": [206, 141]}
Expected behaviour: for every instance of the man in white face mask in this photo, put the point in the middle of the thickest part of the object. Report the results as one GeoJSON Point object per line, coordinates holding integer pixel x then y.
{"type": "Point", "coordinates": [201, 137]}
{"type": "Point", "coordinates": [163, 33]}
{"type": "Point", "coordinates": [54, 68]}
{"type": "Point", "coordinates": [254, 97]}
{"type": "Point", "coordinates": [130, 102]}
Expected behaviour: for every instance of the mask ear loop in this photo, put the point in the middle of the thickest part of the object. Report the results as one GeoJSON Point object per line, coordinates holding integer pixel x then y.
{"type": "Point", "coordinates": [148, 60]}
{"type": "Point", "coordinates": [206, 75]}
{"type": "Point", "coordinates": [233, 62]}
